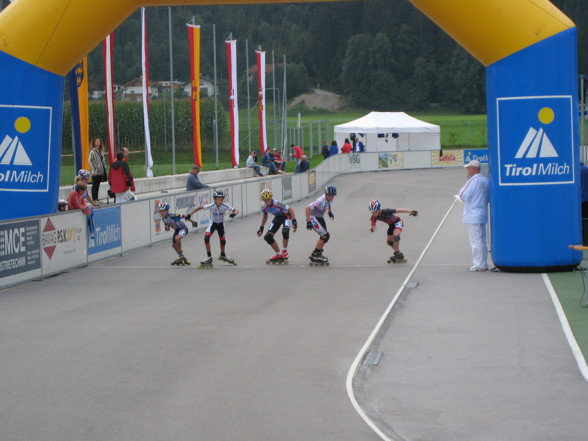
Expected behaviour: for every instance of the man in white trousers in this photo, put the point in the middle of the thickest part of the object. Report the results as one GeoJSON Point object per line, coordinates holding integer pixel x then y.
{"type": "Point", "coordinates": [474, 194]}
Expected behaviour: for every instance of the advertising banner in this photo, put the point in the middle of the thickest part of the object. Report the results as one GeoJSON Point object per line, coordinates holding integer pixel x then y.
{"type": "Point", "coordinates": [107, 224]}
{"type": "Point", "coordinates": [63, 239]}
{"type": "Point", "coordinates": [444, 158]}
{"type": "Point", "coordinates": [287, 188]}
{"type": "Point", "coordinates": [476, 154]}
{"type": "Point", "coordinates": [20, 250]}
{"type": "Point", "coordinates": [354, 160]}
{"type": "Point", "coordinates": [311, 181]}
{"type": "Point", "coordinates": [390, 160]}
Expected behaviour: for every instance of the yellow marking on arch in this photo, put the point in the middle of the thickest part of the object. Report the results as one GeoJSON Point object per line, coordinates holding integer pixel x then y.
{"type": "Point", "coordinates": [55, 34]}
{"type": "Point", "coordinates": [491, 30]}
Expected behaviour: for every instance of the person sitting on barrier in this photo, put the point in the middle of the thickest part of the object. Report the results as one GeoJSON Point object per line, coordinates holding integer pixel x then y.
{"type": "Point", "coordinates": [303, 165]}
{"type": "Point", "coordinates": [84, 176]}
{"type": "Point", "coordinates": [76, 201]}
{"type": "Point", "coordinates": [193, 182]}
{"type": "Point", "coordinates": [252, 163]}
{"type": "Point", "coordinates": [268, 161]}
{"type": "Point", "coordinates": [279, 161]}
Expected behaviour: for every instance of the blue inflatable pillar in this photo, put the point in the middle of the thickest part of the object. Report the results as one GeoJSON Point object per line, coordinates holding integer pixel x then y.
{"type": "Point", "coordinates": [31, 107]}
{"type": "Point", "coordinates": [534, 157]}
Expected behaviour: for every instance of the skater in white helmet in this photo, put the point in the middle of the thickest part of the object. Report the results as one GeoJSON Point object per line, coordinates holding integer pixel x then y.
{"type": "Point", "coordinates": [315, 220]}
{"type": "Point", "coordinates": [395, 226]}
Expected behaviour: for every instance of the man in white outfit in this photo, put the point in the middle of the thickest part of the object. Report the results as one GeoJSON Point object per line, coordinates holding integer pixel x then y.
{"type": "Point", "coordinates": [474, 194]}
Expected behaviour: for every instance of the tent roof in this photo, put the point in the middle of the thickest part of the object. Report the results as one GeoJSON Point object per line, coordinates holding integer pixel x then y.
{"type": "Point", "coordinates": [387, 122]}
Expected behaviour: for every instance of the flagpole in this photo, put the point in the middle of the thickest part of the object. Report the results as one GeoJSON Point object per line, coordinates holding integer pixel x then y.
{"type": "Point", "coordinates": [248, 102]}
{"type": "Point", "coordinates": [284, 107]}
{"type": "Point", "coordinates": [171, 87]}
{"type": "Point", "coordinates": [215, 96]}
{"type": "Point", "coordinates": [274, 97]}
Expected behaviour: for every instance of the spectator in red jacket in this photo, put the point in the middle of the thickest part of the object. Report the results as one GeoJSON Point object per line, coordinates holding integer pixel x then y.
{"type": "Point", "coordinates": [121, 180]}
{"type": "Point", "coordinates": [76, 201]}
{"type": "Point", "coordinates": [297, 154]}
{"type": "Point", "coordinates": [346, 147]}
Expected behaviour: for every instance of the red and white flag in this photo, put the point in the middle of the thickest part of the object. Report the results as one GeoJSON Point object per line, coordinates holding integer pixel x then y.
{"type": "Point", "coordinates": [108, 46]}
{"type": "Point", "coordinates": [233, 104]}
{"type": "Point", "coordinates": [145, 90]}
{"type": "Point", "coordinates": [194, 46]}
{"type": "Point", "coordinates": [260, 56]}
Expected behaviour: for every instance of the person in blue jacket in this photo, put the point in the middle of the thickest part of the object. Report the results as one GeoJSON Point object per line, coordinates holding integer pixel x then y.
{"type": "Point", "coordinates": [334, 149]}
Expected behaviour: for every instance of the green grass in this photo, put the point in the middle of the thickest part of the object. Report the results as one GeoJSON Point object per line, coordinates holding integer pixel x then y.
{"type": "Point", "coordinates": [457, 131]}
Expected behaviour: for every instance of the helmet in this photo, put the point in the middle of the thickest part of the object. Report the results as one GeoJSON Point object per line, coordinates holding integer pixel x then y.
{"type": "Point", "coordinates": [85, 174]}
{"type": "Point", "coordinates": [163, 206]}
{"type": "Point", "coordinates": [331, 190]}
{"type": "Point", "coordinates": [218, 194]}
{"type": "Point", "coordinates": [266, 194]}
{"type": "Point", "coordinates": [375, 206]}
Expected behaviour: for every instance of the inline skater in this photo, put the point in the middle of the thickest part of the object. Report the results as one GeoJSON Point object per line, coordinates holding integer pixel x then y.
{"type": "Point", "coordinates": [176, 222]}
{"type": "Point", "coordinates": [315, 220]}
{"type": "Point", "coordinates": [283, 217]}
{"type": "Point", "coordinates": [218, 209]}
{"type": "Point", "coordinates": [395, 226]}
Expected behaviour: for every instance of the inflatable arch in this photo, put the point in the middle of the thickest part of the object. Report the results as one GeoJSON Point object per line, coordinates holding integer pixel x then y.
{"type": "Point", "coordinates": [527, 46]}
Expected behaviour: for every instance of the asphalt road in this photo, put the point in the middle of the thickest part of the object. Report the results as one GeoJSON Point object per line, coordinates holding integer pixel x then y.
{"type": "Point", "coordinates": [132, 348]}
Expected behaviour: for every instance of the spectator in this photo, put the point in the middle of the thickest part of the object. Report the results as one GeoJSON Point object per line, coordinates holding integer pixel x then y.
{"type": "Point", "coordinates": [346, 147]}
{"type": "Point", "coordinates": [193, 182]}
{"type": "Point", "coordinates": [296, 154]}
{"type": "Point", "coordinates": [584, 189]}
{"type": "Point", "coordinates": [97, 167]}
{"type": "Point", "coordinates": [121, 180]}
{"type": "Point", "coordinates": [474, 194]}
{"type": "Point", "coordinates": [297, 151]}
{"type": "Point", "coordinates": [325, 150]}
{"type": "Point", "coordinates": [303, 165]}
{"type": "Point", "coordinates": [125, 154]}
{"type": "Point", "coordinates": [62, 205]}
{"type": "Point", "coordinates": [84, 176]}
{"type": "Point", "coordinates": [76, 201]}
{"type": "Point", "coordinates": [279, 161]}
{"type": "Point", "coordinates": [252, 163]}
{"type": "Point", "coordinates": [268, 161]}
{"type": "Point", "coordinates": [334, 149]}
{"type": "Point", "coordinates": [358, 146]}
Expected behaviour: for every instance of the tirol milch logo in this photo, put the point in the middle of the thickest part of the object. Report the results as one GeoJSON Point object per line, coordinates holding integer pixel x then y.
{"type": "Point", "coordinates": [535, 140]}
{"type": "Point", "coordinates": [24, 148]}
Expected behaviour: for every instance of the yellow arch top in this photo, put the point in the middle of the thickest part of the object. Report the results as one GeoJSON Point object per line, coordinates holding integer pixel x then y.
{"type": "Point", "coordinates": [493, 29]}
{"type": "Point", "coordinates": [55, 34]}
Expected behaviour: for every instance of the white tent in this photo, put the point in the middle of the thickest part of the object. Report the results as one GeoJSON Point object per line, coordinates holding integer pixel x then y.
{"type": "Point", "coordinates": [390, 131]}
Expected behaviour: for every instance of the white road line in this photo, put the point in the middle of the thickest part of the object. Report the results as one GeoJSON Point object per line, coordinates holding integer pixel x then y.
{"type": "Point", "coordinates": [366, 347]}
{"type": "Point", "coordinates": [566, 328]}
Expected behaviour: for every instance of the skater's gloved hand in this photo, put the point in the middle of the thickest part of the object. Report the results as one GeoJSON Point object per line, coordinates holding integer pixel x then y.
{"type": "Point", "coordinates": [373, 229]}
{"type": "Point", "coordinates": [232, 215]}
{"type": "Point", "coordinates": [295, 224]}
{"type": "Point", "coordinates": [309, 225]}
{"type": "Point", "coordinates": [331, 215]}
{"type": "Point", "coordinates": [194, 224]}
{"type": "Point", "coordinates": [260, 231]}
{"type": "Point", "coordinates": [414, 213]}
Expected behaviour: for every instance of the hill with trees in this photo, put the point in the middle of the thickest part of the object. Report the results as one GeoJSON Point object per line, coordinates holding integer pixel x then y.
{"type": "Point", "coordinates": [382, 54]}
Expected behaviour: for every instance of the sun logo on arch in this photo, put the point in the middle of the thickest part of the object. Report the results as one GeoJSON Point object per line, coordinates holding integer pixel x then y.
{"type": "Point", "coordinates": [536, 142]}
{"type": "Point", "coordinates": [12, 151]}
